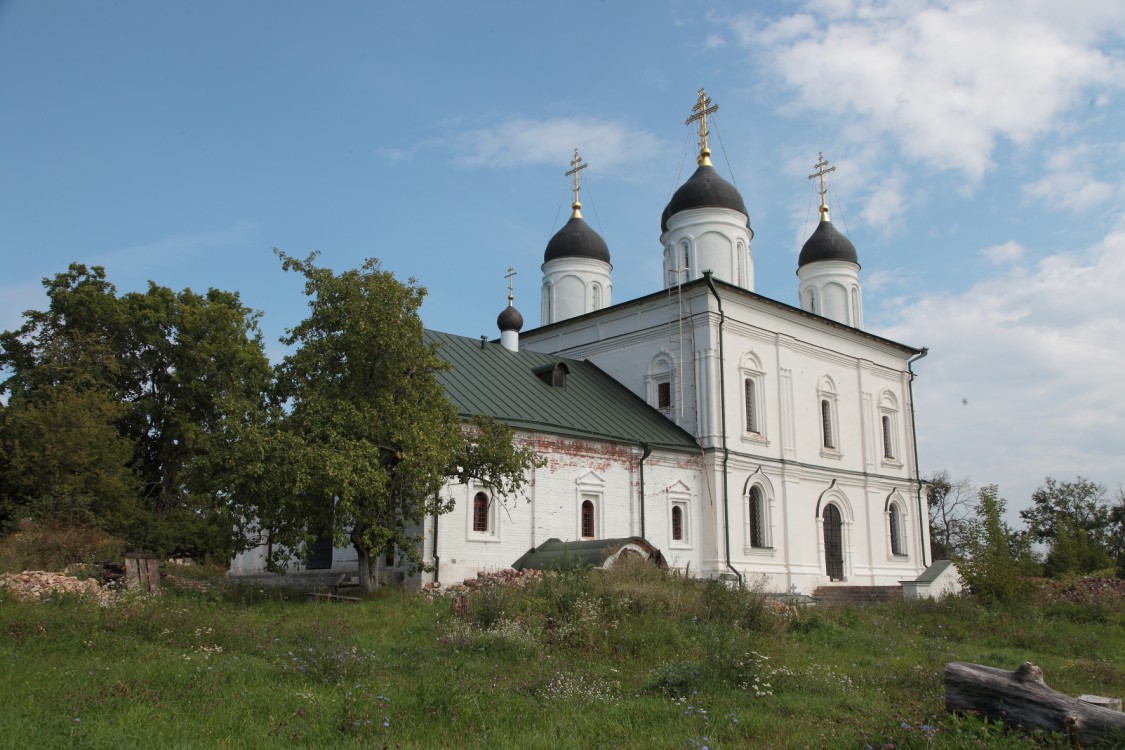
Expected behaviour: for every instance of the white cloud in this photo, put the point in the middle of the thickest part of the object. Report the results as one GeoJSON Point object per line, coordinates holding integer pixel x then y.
{"type": "Point", "coordinates": [527, 141]}
{"type": "Point", "coordinates": [886, 203]}
{"type": "Point", "coordinates": [945, 81]}
{"type": "Point", "coordinates": [1023, 376]}
{"type": "Point", "coordinates": [1070, 183]}
{"type": "Point", "coordinates": [1001, 254]}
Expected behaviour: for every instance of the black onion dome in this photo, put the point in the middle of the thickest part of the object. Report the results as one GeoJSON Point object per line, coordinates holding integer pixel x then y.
{"type": "Point", "coordinates": [827, 243]}
{"type": "Point", "coordinates": [576, 240]}
{"type": "Point", "coordinates": [509, 320]}
{"type": "Point", "coordinates": [704, 189]}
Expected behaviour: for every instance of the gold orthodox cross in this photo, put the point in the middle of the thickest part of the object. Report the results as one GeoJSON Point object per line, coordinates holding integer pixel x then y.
{"type": "Point", "coordinates": [508, 276]}
{"type": "Point", "coordinates": [820, 172]}
{"type": "Point", "coordinates": [576, 166]}
{"type": "Point", "coordinates": [702, 108]}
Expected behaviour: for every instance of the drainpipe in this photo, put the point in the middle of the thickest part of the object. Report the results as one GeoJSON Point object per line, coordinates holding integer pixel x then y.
{"type": "Point", "coordinates": [437, 559]}
{"type": "Point", "coordinates": [646, 451]}
{"type": "Point", "coordinates": [723, 423]}
{"type": "Point", "coordinates": [914, 436]}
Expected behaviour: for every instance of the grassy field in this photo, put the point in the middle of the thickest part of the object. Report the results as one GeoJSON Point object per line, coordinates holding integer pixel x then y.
{"type": "Point", "coordinates": [630, 659]}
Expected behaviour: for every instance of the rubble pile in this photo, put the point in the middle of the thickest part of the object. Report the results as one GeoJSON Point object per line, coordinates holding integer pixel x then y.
{"type": "Point", "coordinates": [36, 585]}
{"type": "Point", "coordinates": [484, 579]}
{"type": "Point", "coordinates": [1088, 590]}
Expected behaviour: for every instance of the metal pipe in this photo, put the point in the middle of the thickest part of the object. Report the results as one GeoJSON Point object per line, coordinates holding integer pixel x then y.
{"type": "Point", "coordinates": [723, 423]}
{"type": "Point", "coordinates": [914, 439]}
{"type": "Point", "coordinates": [646, 451]}
{"type": "Point", "coordinates": [437, 558]}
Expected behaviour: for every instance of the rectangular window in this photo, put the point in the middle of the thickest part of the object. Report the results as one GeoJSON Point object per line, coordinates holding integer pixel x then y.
{"type": "Point", "coordinates": [663, 395]}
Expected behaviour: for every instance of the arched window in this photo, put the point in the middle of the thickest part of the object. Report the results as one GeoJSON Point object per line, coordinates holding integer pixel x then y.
{"type": "Point", "coordinates": [828, 437]}
{"type": "Point", "coordinates": [756, 513]}
{"type": "Point", "coordinates": [480, 512]}
{"type": "Point", "coordinates": [658, 382]}
{"type": "Point", "coordinates": [894, 519]}
{"type": "Point", "coordinates": [677, 523]}
{"type": "Point", "coordinates": [751, 406]}
{"type": "Point", "coordinates": [753, 397]}
{"type": "Point", "coordinates": [811, 297]}
{"type": "Point", "coordinates": [833, 542]}
{"type": "Point", "coordinates": [587, 519]}
{"type": "Point", "coordinates": [888, 421]}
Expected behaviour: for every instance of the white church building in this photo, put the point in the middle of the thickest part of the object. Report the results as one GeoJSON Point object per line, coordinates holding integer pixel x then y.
{"type": "Point", "coordinates": [739, 437]}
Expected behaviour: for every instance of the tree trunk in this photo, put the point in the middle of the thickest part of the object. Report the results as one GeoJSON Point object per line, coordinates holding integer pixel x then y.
{"type": "Point", "coordinates": [368, 581]}
{"type": "Point", "coordinates": [1021, 699]}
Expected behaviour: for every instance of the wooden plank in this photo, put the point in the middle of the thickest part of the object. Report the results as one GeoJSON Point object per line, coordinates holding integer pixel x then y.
{"type": "Point", "coordinates": [1022, 699]}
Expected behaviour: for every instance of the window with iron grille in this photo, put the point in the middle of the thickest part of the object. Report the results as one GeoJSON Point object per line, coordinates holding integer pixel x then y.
{"type": "Point", "coordinates": [757, 517]}
{"type": "Point", "coordinates": [751, 406]}
{"type": "Point", "coordinates": [677, 523]}
{"type": "Point", "coordinates": [896, 531]}
{"type": "Point", "coordinates": [829, 439]}
{"type": "Point", "coordinates": [587, 519]}
{"type": "Point", "coordinates": [888, 442]}
{"type": "Point", "coordinates": [480, 512]}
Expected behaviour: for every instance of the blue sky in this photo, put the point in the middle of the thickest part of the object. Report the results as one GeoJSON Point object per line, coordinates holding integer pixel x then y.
{"type": "Point", "coordinates": [979, 146]}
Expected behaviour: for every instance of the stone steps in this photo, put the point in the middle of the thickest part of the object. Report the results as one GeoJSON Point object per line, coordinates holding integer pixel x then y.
{"type": "Point", "coordinates": [842, 596]}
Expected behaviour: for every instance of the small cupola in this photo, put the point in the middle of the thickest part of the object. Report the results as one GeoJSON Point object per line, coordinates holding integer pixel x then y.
{"type": "Point", "coordinates": [510, 321]}
{"type": "Point", "coordinates": [828, 267]}
{"type": "Point", "coordinates": [576, 264]}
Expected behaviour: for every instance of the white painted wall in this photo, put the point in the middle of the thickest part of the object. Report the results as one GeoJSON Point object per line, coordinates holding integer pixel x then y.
{"type": "Point", "coordinates": [708, 239]}
{"type": "Point", "coordinates": [573, 287]}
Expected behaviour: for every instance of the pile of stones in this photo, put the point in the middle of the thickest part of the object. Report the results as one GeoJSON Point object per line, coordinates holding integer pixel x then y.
{"type": "Point", "coordinates": [37, 585]}
{"type": "Point", "coordinates": [484, 579]}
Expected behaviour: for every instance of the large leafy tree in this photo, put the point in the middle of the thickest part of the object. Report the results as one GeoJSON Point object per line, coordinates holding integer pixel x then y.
{"type": "Point", "coordinates": [370, 438]}
{"type": "Point", "coordinates": [61, 454]}
{"type": "Point", "coordinates": [1074, 520]}
{"type": "Point", "coordinates": [165, 377]}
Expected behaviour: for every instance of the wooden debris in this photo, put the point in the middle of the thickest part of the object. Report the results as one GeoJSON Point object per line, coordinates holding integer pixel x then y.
{"type": "Point", "coordinates": [1022, 700]}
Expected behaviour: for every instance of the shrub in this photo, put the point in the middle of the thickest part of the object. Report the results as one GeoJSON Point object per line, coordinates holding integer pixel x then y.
{"type": "Point", "coordinates": [676, 678]}
{"type": "Point", "coordinates": [39, 546]}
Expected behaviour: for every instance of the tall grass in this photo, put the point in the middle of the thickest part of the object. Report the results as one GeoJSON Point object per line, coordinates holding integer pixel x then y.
{"type": "Point", "coordinates": [626, 658]}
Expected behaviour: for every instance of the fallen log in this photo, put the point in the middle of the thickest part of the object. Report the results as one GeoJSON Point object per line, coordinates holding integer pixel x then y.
{"type": "Point", "coordinates": [1022, 700]}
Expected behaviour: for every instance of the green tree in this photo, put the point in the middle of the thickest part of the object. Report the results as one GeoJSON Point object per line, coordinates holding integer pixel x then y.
{"type": "Point", "coordinates": [170, 375]}
{"type": "Point", "coordinates": [988, 568]}
{"type": "Point", "coordinates": [61, 455]}
{"type": "Point", "coordinates": [370, 438]}
{"type": "Point", "coordinates": [1074, 520]}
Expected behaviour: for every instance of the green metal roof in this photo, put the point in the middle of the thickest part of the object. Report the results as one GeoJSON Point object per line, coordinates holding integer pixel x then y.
{"type": "Point", "coordinates": [515, 387]}
{"type": "Point", "coordinates": [555, 554]}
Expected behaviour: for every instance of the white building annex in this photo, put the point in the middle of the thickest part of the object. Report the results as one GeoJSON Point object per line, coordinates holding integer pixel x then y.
{"type": "Point", "coordinates": [743, 437]}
